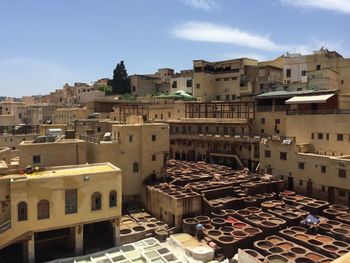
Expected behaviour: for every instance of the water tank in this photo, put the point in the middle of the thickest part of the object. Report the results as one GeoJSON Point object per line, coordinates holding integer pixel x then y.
{"type": "Point", "coordinates": [54, 132]}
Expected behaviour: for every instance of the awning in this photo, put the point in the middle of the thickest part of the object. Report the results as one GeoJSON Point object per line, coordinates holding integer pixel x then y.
{"type": "Point", "coordinates": [309, 99]}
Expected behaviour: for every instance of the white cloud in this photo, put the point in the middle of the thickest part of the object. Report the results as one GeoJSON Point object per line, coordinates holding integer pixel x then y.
{"type": "Point", "coordinates": [208, 32]}
{"type": "Point", "coordinates": [341, 6]}
{"type": "Point", "coordinates": [201, 4]}
{"type": "Point", "coordinates": [27, 76]}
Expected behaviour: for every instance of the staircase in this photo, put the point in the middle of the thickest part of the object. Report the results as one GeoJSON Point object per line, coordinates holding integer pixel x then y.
{"type": "Point", "coordinates": [8, 235]}
{"type": "Point", "coordinates": [252, 126]}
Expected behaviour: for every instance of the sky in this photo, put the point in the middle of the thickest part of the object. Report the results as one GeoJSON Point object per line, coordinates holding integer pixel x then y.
{"type": "Point", "coordinates": [45, 44]}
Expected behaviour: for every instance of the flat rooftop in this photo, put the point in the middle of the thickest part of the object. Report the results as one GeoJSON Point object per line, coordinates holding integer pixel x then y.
{"type": "Point", "coordinates": [73, 170]}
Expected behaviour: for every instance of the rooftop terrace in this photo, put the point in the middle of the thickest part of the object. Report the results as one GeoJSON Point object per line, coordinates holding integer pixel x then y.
{"type": "Point", "coordinates": [74, 170]}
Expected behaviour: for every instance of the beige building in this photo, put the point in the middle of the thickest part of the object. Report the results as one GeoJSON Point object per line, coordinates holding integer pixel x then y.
{"type": "Point", "coordinates": [182, 81]}
{"type": "Point", "coordinates": [152, 110]}
{"type": "Point", "coordinates": [13, 141]}
{"type": "Point", "coordinates": [309, 150]}
{"type": "Point", "coordinates": [60, 211]}
{"type": "Point", "coordinates": [68, 115]}
{"type": "Point", "coordinates": [47, 151]}
{"type": "Point", "coordinates": [223, 141]}
{"type": "Point", "coordinates": [138, 149]}
{"type": "Point", "coordinates": [224, 80]}
{"type": "Point", "coordinates": [323, 69]}
{"type": "Point", "coordinates": [10, 112]}
{"type": "Point", "coordinates": [147, 84]}
{"type": "Point", "coordinates": [142, 85]}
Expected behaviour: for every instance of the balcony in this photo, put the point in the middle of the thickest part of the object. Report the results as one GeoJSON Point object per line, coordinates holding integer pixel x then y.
{"type": "Point", "coordinates": [216, 137]}
{"type": "Point", "coordinates": [267, 108]}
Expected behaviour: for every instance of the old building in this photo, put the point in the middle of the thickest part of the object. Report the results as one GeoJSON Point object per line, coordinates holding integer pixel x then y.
{"type": "Point", "coordinates": [224, 80]}
{"type": "Point", "coordinates": [57, 212]}
{"type": "Point", "coordinates": [182, 81]}
{"type": "Point", "coordinates": [47, 151]}
{"type": "Point", "coordinates": [138, 149]}
{"type": "Point", "coordinates": [223, 141]}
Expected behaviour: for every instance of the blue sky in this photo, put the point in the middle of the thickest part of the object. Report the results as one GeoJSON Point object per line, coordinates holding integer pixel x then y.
{"type": "Point", "coordinates": [45, 44]}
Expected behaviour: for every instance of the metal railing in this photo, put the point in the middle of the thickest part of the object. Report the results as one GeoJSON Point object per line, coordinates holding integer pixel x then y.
{"type": "Point", "coordinates": [5, 226]}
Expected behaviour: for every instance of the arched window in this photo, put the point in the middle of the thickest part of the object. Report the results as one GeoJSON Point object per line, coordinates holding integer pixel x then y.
{"type": "Point", "coordinates": [43, 209]}
{"type": "Point", "coordinates": [112, 198]}
{"type": "Point", "coordinates": [135, 167]}
{"type": "Point", "coordinates": [22, 211]}
{"type": "Point", "coordinates": [96, 201]}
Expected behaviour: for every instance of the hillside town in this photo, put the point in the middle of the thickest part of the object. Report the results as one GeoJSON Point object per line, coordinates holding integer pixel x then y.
{"type": "Point", "coordinates": [239, 160]}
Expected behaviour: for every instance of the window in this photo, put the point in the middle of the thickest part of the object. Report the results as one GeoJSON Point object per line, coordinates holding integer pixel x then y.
{"type": "Point", "coordinates": [130, 138]}
{"type": "Point", "coordinates": [283, 155]}
{"type": "Point", "coordinates": [154, 138]}
{"type": "Point", "coordinates": [342, 173]}
{"type": "Point", "coordinates": [153, 157]}
{"type": "Point", "coordinates": [341, 193]}
{"type": "Point", "coordinates": [233, 97]}
{"type": "Point", "coordinates": [288, 73]}
{"type": "Point", "coordinates": [342, 81]}
{"type": "Point", "coordinates": [135, 167]}
{"type": "Point", "coordinates": [43, 209]}
{"type": "Point", "coordinates": [198, 86]}
{"type": "Point", "coordinates": [303, 72]}
{"type": "Point", "coordinates": [312, 136]}
{"type": "Point", "coordinates": [112, 198]}
{"type": "Point", "coordinates": [133, 88]}
{"type": "Point", "coordinates": [227, 97]}
{"type": "Point", "coordinates": [189, 83]}
{"type": "Point", "coordinates": [301, 166]}
{"type": "Point", "coordinates": [320, 136]}
{"type": "Point", "coordinates": [96, 201]}
{"type": "Point", "coordinates": [261, 86]}
{"type": "Point", "coordinates": [71, 201]}
{"type": "Point", "coordinates": [36, 159]}
{"type": "Point", "coordinates": [323, 169]}
{"type": "Point", "coordinates": [277, 121]}
{"type": "Point", "coordinates": [323, 188]}
{"type": "Point", "coordinates": [22, 212]}
{"type": "Point", "coordinates": [262, 120]}
{"type": "Point", "coordinates": [218, 97]}
{"type": "Point", "coordinates": [174, 85]}
{"type": "Point", "coordinates": [300, 182]}
{"type": "Point", "coordinates": [340, 137]}
{"type": "Point", "coordinates": [318, 67]}
{"type": "Point", "coordinates": [327, 136]}
{"type": "Point", "coordinates": [267, 154]}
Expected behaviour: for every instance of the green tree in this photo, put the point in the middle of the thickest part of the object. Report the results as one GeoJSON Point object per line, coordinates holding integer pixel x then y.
{"type": "Point", "coordinates": [120, 82]}
{"type": "Point", "coordinates": [106, 89]}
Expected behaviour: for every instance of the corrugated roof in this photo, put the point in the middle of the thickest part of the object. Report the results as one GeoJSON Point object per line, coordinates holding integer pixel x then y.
{"type": "Point", "coordinates": [309, 99]}
{"type": "Point", "coordinates": [284, 94]}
